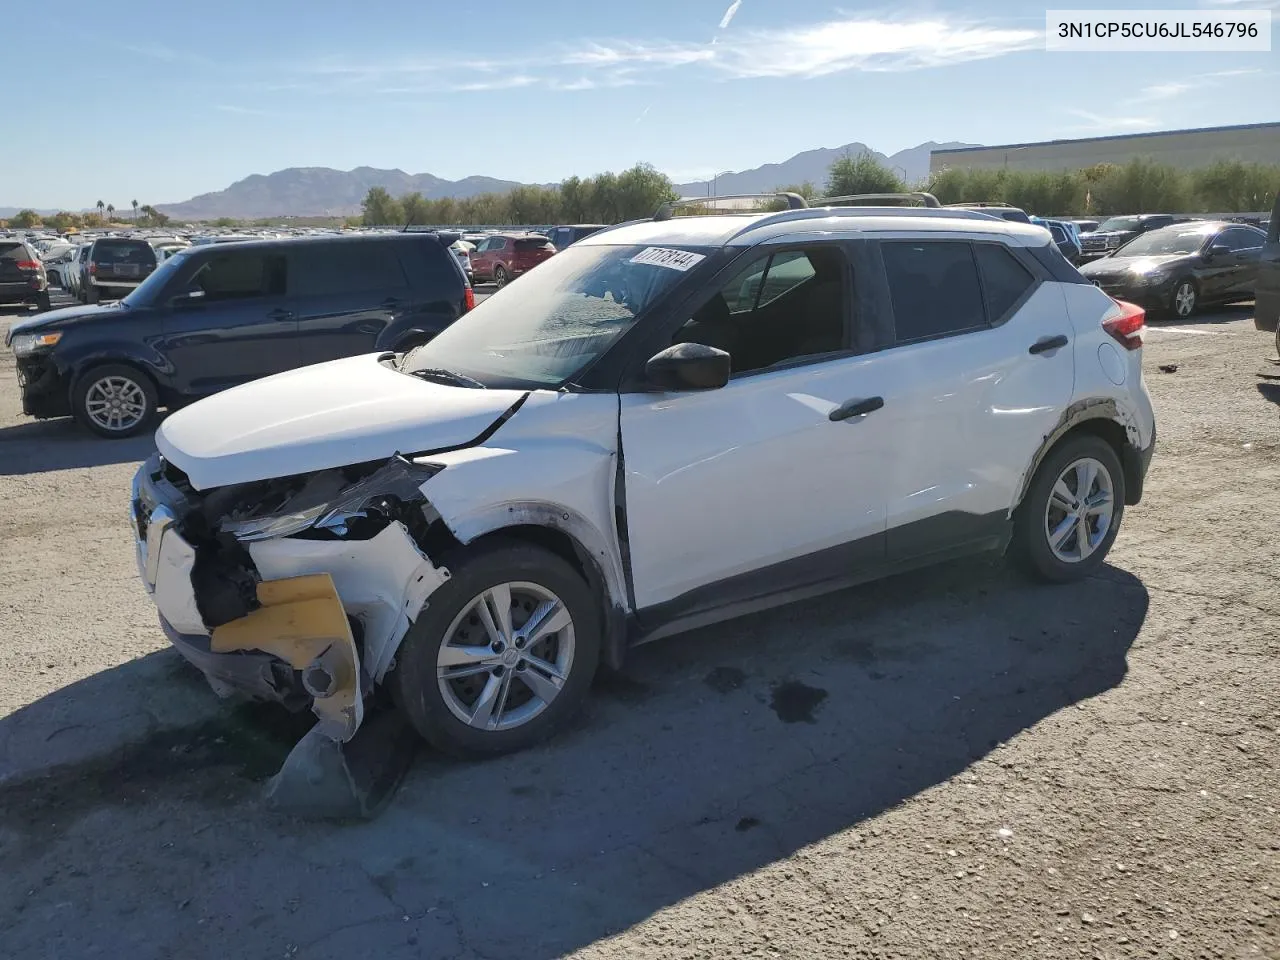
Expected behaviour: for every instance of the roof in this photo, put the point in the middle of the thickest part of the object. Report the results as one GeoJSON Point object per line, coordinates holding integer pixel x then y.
{"type": "Point", "coordinates": [1121, 136]}
{"type": "Point", "coordinates": [718, 230]}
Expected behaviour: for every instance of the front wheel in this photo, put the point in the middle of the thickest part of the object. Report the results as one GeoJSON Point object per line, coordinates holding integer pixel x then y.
{"type": "Point", "coordinates": [114, 401]}
{"type": "Point", "coordinates": [1183, 304]}
{"type": "Point", "coordinates": [503, 654]}
{"type": "Point", "coordinates": [1071, 513]}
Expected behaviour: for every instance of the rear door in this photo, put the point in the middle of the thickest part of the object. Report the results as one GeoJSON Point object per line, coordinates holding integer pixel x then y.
{"type": "Point", "coordinates": [965, 399]}
{"type": "Point", "coordinates": [1246, 255]}
{"type": "Point", "coordinates": [238, 327]}
{"type": "Point", "coordinates": [345, 293]}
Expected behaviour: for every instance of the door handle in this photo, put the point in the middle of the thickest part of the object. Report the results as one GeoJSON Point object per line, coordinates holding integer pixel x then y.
{"type": "Point", "coordinates": [1045, 344]}
{"type": "Point", "coordinates": [392, 302]}
{"type": "Point", "coordinates": [279, 313]}
{"type": "Point", "coordinates": [856, 408]}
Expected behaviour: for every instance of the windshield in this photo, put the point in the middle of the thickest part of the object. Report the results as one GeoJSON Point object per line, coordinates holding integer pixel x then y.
{"type": "Point", "coordinates": [1119, 223]}
{"type": "Point", "coordinates": [549, 325]}
{"type": "Point", "coordinates": [146, 293]}
{"type": "Point", "coordinates": [1159, 242]}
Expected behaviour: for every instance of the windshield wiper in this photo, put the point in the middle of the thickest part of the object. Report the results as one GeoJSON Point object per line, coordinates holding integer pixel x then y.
{"type": "Point", "coordinates": [448, 376]}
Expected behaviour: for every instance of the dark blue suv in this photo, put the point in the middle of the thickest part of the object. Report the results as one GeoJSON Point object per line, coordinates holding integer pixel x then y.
{"type": "Point", "coordinates": [219, 315]}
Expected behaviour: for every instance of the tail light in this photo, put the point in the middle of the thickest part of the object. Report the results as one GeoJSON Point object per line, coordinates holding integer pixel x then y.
{"type": "Point", "coordinates": [28, 264]}
{"type": "Point", "coordinates": [1127, 326]}
{"type": "Point", "coordinates": [469, 300]}
{"type": "Point", "coordinates": [93, 268]}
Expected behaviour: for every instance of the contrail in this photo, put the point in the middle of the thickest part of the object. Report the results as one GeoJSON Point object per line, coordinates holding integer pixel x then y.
{"type": "Point", "coordinates": [728, 14]}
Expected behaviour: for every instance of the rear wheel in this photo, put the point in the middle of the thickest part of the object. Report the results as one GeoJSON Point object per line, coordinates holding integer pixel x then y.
{"type": "Point", "coordinates": [90, 293]}
{"type": "Point", "coordinates": [503, 654]}
{"type": "Point", "coordinates": [500, 276]}
{"type": "Point", "coordinates": [114, 401]}
{"type": "Point", "coordinates": [1071, 513]}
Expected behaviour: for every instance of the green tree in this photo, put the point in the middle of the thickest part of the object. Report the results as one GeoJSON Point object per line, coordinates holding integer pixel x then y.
{"type": "Point", "coordinates": [226, 222]}
{"type": "Point", "coordinates": [861, 174]}
{"type": "Point", "coordinates": [640, 190]}
{"type": "Point", "coordinates": [1142, 186]}
{"type": "Point", "coordinates": [101, 207]}
{"type": "Point", "coordinates": [415, 210]}
{"type": "Point", "coordinates": [111, 213]}
{"type": "Point", "coordinates": [25, 219]}
{"type": "Point", "coordinates": [573, 201]}
{"type": "Point", "coordinates": [380, 209]}
{"type": "Point", "coordinates": [135, 210]}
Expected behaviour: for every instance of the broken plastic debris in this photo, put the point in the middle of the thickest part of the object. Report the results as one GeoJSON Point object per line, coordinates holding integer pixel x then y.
{"type": "Point", "coordinates": [1004, 832]}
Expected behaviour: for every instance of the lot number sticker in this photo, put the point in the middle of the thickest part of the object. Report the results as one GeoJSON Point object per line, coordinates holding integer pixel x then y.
{"type": "Point", "coordinates": [680, 260]}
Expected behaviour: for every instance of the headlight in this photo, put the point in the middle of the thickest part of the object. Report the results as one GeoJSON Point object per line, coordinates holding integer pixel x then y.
{"type": "Point", "coordinates": [28, 343]}
{"type": "Point", "coordinates": [325, 500]}
{"type": "Point", "coordinates": [1146, 274]}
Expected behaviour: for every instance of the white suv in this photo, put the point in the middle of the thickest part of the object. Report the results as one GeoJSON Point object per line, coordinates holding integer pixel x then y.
{"type": "Point", "coordinates": [672, 422]}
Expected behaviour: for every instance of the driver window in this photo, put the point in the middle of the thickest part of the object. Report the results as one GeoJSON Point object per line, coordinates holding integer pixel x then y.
{"type": "Point", "coordinates": [778, 308]}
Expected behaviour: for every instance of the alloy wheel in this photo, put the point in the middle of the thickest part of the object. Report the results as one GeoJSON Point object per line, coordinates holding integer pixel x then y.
{"type": "Point", "coordinates": [506, 656]}
{"type": "Point", "coordinates": [115, 403]}
{"type": "Point", "coordinates": [1184, 299]}
{"type": "Point", "coordinates": [1077, 517]}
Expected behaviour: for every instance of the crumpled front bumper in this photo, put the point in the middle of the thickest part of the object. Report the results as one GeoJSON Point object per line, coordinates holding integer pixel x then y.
{"type": "Point", "coordinates": [297, 646]}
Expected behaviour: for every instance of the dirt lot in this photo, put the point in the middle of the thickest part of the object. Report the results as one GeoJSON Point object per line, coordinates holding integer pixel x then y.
{"type": "Point", "coordinates": [953, 763]}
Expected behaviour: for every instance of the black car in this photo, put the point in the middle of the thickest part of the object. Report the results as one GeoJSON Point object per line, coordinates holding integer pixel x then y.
{"type": "Point", "coordinates": [217, 315]}
{"type": "Point", "coordinates": [1266, 314]}
{"type": "Point", "coordinates": [562, 237]}
{"type": "Point", "coordinates": [114, 267]}
{"type": "Point", "coordinates": [1114, 232]}
{"type": "Point", "coordinates": [1176, 269]}
{"type": "Point", "coordinates": [22, 276]}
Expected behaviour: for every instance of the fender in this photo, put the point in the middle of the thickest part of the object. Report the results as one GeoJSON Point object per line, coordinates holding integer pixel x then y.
{"type": "Point", "coordinates": [1082, 411]}
{"type": "Point", "coordinates": [140, 355]}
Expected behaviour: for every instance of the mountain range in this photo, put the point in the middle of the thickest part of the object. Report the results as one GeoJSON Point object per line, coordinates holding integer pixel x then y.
{"type": "Point", "coordinates": [322, 191]}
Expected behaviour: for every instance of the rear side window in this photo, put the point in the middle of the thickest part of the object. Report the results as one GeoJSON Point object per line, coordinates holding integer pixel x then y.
{"type": "Point", "coordinates": [117, 251]}
{"type": "Point", "coordinates": [14, 251]}
{"type": "Point", "coordinates": [334, 268]}
{"type": "Point", "coordinates": [1005, 281]}
{"type": "Point", "coordinates": [241, 275]}
{"type": "Point", "coordinates": [532, 243]}
{"type": "Point", "coordinates": [934, 288]}
{"type": "Point", "coordinates": [430, 267]}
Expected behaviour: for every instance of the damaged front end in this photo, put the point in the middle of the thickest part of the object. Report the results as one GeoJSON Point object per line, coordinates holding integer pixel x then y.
{"type": "Point", "coordinates": [296, 589]}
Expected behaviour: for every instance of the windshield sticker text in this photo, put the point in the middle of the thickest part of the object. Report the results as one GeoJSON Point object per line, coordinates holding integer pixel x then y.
{"type": "Point", "coordinates": [680, 260]}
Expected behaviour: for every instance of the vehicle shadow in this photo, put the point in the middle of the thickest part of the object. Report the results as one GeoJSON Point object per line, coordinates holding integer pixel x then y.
{"type": "Point", "coordinates": [715, 754]}
{"type": "Point", "coordinates": [1211, 315]}
{"type": "Point", "coordinates": [43, 445]}
{"type": "Point", "coordinates": [1269, 391]}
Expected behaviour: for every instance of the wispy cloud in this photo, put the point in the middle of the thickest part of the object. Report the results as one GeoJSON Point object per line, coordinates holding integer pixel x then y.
{"type": "Point", "coordinates": [1176, 88]}
{"type": "Point", "coordinates": [1162, 91]}
{"type": "Point", "coordinates": [730, 14]}
{"type": "Point", "coordinates": [644, 113]}
{"type": "Point", "coordinates": [1099, 123]}
{"type": "Point", "coordinates": [803, 51]}
{"type": "Point", "coordinates": [243, 111]}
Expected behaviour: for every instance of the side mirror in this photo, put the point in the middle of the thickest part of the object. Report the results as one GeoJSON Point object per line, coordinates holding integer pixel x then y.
{"type": "Point", "coordinates": [1219, 250]}
{"type": "Point", "coordinates": [689, 366]}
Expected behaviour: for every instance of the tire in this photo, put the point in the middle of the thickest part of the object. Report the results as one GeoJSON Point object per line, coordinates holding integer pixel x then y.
{"type": "Point", "coordinates": [90, 293]}
{"type": "Point", "coordinates": [44, 301]}
{"type": "Point", "coordinates": [436, 706]}
{"type": "Point", "coordinates": [119, 381]}
{"type": "Point", "coordinates": [500, 276]}
{"type": "Point", "coordinates": [1184, 299]}
{"type": "Point", "coordinates": [1036, 517]}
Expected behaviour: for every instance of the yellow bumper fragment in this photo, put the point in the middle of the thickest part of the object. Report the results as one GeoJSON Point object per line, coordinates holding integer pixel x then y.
{"type": "Point", "coordinates": [302, 622]}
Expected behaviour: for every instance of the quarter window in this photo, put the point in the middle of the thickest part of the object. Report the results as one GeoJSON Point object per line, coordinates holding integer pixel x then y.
{"type": "Point", "coordinates": [934, 288]}
{"type": "Point", "coordinates": [332, 268]}
{"type": "Point", "coordinates": [1004, 280]}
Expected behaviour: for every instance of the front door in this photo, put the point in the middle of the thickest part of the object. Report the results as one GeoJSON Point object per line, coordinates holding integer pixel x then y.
{"type": "Point", "coordinates": [238, 327]}
{"type": "Point", "coordinates": [754, 489]}
{"type": "Point", "coordinates": [345, 294]}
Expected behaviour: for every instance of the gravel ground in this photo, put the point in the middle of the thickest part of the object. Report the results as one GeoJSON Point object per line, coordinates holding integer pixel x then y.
{"type": "Point", "coordinates": [952, 763]}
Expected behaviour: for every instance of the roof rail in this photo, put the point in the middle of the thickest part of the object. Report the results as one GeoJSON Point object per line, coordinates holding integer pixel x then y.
{"type": "Point", "coordinates": [925, 199]}
{"type": "Point", "coordinates": [667, 210]}
{"type": "Point", "coordinates": [981, 203]}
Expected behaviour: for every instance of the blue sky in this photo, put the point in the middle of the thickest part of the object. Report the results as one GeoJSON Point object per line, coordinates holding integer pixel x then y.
{"type": "Point", "coordinates": [185, 98]}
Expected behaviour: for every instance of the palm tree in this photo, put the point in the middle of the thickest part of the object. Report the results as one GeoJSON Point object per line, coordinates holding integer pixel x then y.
{"type": "Point", "coordinates": [101, 206]}
{"type": "Point", "coordinates": [111, 211]}
{"type": "Point", "coordinates": [135, 210]}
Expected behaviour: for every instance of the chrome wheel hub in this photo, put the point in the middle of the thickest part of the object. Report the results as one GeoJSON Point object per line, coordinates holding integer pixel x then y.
{"type": "Point", "coordinates": [506, 656]}
{"type": "Point", "coordinates": [115, 403]}
{"type": "Point", "coordinates": [1184, 300]}
{"type": "Point", "coordinates": [1081, 505]}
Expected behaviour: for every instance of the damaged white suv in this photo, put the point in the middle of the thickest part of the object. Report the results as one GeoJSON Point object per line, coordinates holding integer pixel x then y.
{"type": "Point", "coordinates": [671, 422]}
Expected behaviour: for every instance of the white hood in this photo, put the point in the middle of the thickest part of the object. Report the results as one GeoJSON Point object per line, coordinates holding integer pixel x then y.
{"type": "Point", "coordinates": [328, 415]}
